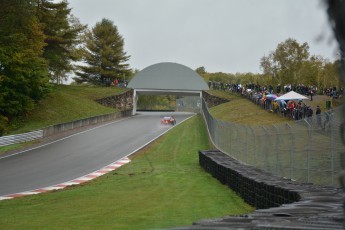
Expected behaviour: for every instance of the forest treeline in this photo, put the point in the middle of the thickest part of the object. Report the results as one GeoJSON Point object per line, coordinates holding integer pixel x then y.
{"type": "Point", "coordinates": [290, 63]}
{"type": "Point", "coordinates": [43, 43]}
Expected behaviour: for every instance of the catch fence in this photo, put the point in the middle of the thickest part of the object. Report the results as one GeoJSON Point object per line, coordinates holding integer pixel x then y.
{"type": "Point", "coordinates": [306, 150]}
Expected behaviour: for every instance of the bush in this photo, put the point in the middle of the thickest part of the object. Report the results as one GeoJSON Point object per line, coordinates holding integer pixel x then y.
{"type": "Point", "coordinates": [3, 125]}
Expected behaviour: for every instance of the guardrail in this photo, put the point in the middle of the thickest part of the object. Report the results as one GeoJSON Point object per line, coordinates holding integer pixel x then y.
{"type": "Point", "coordinates": [23, 137]}
{"type": "Point", "coordinates": [54, 129]}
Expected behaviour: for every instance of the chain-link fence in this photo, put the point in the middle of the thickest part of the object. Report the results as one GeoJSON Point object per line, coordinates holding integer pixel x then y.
{"type": "Point", "coordinates": [306, 150]}
{"type": "Point", "coordinates": [189, 104]}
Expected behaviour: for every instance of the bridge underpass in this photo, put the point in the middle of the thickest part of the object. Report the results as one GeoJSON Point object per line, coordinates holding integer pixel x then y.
{"type": "Point", "coordinates": [166, 79]}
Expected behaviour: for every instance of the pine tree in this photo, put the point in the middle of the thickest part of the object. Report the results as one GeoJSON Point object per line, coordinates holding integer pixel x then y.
{"type": "Point", "coordinates": [62, 31]}
{"type": "Point", "coordinates": [103, 55]}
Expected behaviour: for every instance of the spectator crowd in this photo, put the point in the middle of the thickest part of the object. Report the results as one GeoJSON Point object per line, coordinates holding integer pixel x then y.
{"type": "Point", "coordinates": [264, 96]}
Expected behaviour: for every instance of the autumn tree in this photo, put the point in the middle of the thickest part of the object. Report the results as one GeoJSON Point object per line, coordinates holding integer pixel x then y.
{"type": "Point", "coordinates": [201, 70]}
{"type": "Point", "coordinates": [23, 70]}
{"type": "Point", "coordinates": [270, 68]}
{"type": "Point", "coordinates": [330, 75]}
{"type": "Point", "coordinates": [312, 71]}
{"type": "Point", "coordinates": [285, 63]}
{"type": "Point", "coordinates": [103, 55]}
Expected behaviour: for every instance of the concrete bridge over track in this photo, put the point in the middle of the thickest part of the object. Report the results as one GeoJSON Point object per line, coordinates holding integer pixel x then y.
{"type": "Point", "coordinates": [166, 79]}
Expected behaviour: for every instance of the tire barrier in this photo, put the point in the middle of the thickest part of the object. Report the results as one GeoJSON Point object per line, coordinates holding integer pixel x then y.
{"type": "Point", "coordinates": [258, 188]}
{"type": "Point", "coordinates": [281, 203]}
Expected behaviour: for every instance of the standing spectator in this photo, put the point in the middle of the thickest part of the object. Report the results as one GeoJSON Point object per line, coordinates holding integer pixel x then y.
{"type": "Point", "coordinates": [290, 107]}
{"type": "Point", "coordinates": [275, 106]}
{"type": "Point", "coordinates": [318, 116]}
{"type": "Point", "coordinates": [278, 89]}
{"type": "Point", "coordinates": [309, 114]}
{"type": "Point", "coordinates": [298, 111]}
{"type": "Point", "coordinates": [311, 94]}
{"type": "Point", "coordinates": [282, 106]}
{"type": "Point", "coordinates": [304, 110]}
{"type": "Point", "coordinates": [328, 118]}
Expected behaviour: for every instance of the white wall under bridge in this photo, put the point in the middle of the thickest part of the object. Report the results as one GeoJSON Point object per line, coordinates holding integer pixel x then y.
{"type": "Point", "coordinates": [157, 92]}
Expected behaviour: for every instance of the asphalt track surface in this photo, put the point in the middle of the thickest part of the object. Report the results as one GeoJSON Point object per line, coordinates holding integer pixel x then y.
{"type": "Point", "coordinates": [80, 154]}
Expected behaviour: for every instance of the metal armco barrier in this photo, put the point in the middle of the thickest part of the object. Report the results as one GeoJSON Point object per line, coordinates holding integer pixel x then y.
{"type": "Point", "coordinates": [54, 129]}
{"type": "Point", "coordinates": [13, 139]}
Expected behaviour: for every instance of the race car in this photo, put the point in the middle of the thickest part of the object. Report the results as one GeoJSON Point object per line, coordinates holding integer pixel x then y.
{"type": "Point", "coordinates": [168, 120]}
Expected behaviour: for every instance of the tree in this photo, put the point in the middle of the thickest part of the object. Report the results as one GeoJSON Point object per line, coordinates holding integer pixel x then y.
{"type": "Point", "coordinates": [103, 55]}
{"type": "Point", "coordinates": [286, 61]}
{"type": "Point", "coordinates": [200, 70]}
{"type": "Point", "coordinates": [154, 102]}
{"type": "Point", "coordinates": [330, 75]}
{"type": "Point", "coordinates": [62, 36]}
{"type": "Point", "coordinates": [312, 71]}
{"type": "Point", "coordinates": [23, 70]}
{"type": "Point", "coordinates": [270, 68]}
{"type": "Point", "coordinates": [291, 55]}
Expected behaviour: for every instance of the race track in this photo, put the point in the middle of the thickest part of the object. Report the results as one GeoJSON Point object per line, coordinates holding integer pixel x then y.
{"type": "Point", "coordinates": [80, 154]}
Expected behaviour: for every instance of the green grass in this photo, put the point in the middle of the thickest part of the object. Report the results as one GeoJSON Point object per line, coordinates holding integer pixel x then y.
{"type": "Point", "coordinates": [64, 104]}
{"type": "Point", "coordinates": [241, 110]}
{"type": "Point", "coordinates": [162, 187]}
{"type": "Point", "coordinates": [17, 146]}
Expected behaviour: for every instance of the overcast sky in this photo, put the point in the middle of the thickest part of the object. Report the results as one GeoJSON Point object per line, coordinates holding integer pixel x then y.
{"type": "Point", "coordinates": [222, 35]}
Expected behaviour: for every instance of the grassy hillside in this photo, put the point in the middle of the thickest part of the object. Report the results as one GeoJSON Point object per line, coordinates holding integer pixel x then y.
{"type": "Point", "coordinates": [243, 111]}
{"type": "Point", "coordinates": [66, 103]}
{"type": "Point", "coordinates": [162, 187]}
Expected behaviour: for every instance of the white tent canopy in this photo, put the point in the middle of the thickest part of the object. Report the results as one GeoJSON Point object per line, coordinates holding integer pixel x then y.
{"type": "Point", "coordinates": [292, 95]}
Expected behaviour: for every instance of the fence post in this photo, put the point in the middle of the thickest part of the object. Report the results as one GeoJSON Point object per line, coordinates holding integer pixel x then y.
{"type": "Point", "coordinates": [223, 135]}
{"type": "Point", "coordinates": [232, 140]}
{"type": "Point", "coordinates": [332, 137]}
{"type": "Point", "coordinates": [255, 148]}
{"type": "Point", "coordinates": [277, 147]}
{"type": "Point", "coordinates": [266, 150]}
{"type": "Point", "coordinates": [228, 138]}
{"type": "Point", "coordinates": [308, 150]}
{"type": "Point", "coordinates": [291, 152]}
{"type": "Point", "coordinates": [247, 143]}
{"type": "Point", "coordinates": [238, 143]}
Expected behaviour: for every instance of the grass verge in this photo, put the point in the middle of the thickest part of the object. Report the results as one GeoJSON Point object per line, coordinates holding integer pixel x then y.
{"type": "Point", "coordinates": [162, 187]}
{"type": "Point", "coordinates": [242, 111]}
{"type": "Point", "coordinates": [17, 146]}
{"type": "Point", "coordinates": [66, 103]}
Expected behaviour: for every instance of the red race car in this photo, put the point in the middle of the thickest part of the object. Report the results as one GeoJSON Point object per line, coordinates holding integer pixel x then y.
{"type": "Point", "coordinates": [168, 120]}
